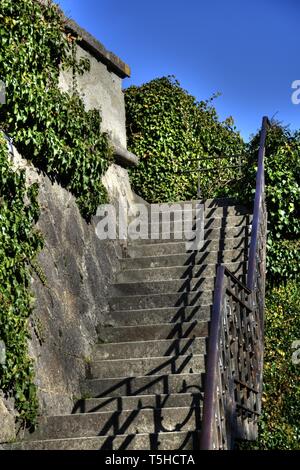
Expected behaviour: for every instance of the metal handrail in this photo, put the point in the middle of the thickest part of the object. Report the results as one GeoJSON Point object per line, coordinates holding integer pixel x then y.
{"type": "Point", "coordinates": [200, 170]}
{"type": "Point", "coordinates": [213, 396]}
{"type": "Point", "coordinates": [257, 213]}
{"type": "Point", "coordinates": [210, 377]}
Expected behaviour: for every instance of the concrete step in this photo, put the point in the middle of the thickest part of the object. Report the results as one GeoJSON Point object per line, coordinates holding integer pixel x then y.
{"type": "Point", "coordinates": [165, 225]}
{"type": "Point", "coordinates": [145, 349]}
{"type": "Point", "coordinates": [188, 440]}
{"type": "Point", "coordinates": [105, 369]}
{"type": "Point", "coordinates": [150, 384]}
{"type": "Point", "coordinates": [187, 224]}
{"type": "Point", "coordinates": [163, 287]}
{"type": "Point", "coordinates": [197, 210]}
{"type": "Point", "coordinates": [209, 234]}
{"type": "Point", "coordinates": [175, 299]}
{"type": "Point", "coordinates": [157, 315]}
{"type": "Point", "coordinates": [186, 259]}
{"type": "Point", "coordinates": [173, 248]}
{"type": "Point", "coordinates": [177, 272]}
{"type": "Point", "coordinates": [118, 422]}
{"type": "Point", "coordinates": [151, 332]}
{"type": "Point", "coordinates": [94, 405]}
{"type": "Point", "coordinates": [208, 203]}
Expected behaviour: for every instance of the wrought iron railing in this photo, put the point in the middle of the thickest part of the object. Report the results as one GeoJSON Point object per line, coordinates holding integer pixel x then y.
{"type": "Point", "coordinates": [233, 383]}
{"type": "Point", "coordinates": [232, 162]}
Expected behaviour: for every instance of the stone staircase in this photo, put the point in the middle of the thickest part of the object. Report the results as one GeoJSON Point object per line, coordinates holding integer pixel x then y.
{"type": "Point", "coordinates": [144, 385]}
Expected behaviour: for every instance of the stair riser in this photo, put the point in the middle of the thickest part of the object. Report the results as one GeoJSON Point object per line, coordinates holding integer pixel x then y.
{"type": "Point", "coordinates": [209, 234]}
{"type": "Point", "coordinates": [179, 299]}
{"type": "Point", "coordinates": [125, 422]}
{"type": "Point", "coordinates": [186, 224]}
{"type": "Point", "coordinates": [161, 384]}
{"type": "Point", "coordinates": [146, 366]}
{"type": "Point", "coordinates": [223, 203]}
{"type": "Point", "coordinates": [162, 287]}
{"type": "Point", "coordinates": [230, 256]}
{"type": "Point", "coordinates": [163, 441]}
{"type": "Point", "coordinates": [151, 332]}
{"type": "Point", "coordinates": [197, 211]}
{"type": "Point", "coordinates": [95, 405]}
{"type": "Point", "coordinates": [158, 249]}
{"type": "Point", "coordinates": [176, 272]}
{"type": "Point", "coordinates": [158, 315]}
{"type": "Point", "coordinates": [150, 349]}
{"type": "Point", "coordinates": [180, 223]}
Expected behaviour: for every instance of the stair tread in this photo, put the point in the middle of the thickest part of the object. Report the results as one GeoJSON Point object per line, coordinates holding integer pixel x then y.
{"type": "Point", "coordinates": [161, 341]}
{"type": "Point", "coordinates": [195, 252]}
{"type": "Point", "coordinates": [102, 413]}
{"type": "Point", "coordinates": [157, 308]}
{"type": "Point", "coordinates": [153, 331]}
{"type": "Point", "coordinates": [161, 294]}
{"type": "Point", "coordinates": [155, 324]}
{"type": "Point", "coordinates": [183, 266]}
{"type": "Point", "coordinates": [133, 421]}
{"type": "Point", "coordinates": [150, 377]}
{"type": "Point", "coordinates": [150, 395]}
{"type": "Point", "coordinates": [146, 441]}
{"type": "Point", "coordinates": [172, 400]}
{"type": "Point", "coordinates": [151, 365]}
{"type": "Point", "coordinates": [171, 433]}
{"type": "Point", "coordinates": [145, 316]}
{"type": "Point", "coordinates": [183, 272]}
{"type": "Point", "coordinates": [221, 240]}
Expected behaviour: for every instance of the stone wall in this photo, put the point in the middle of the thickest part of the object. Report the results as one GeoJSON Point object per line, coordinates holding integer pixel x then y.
{"type": "Point", "coordinates": [101, 88]}
{"type": "Point", "coordinates": [7, 421]}
{"type": "Point", "coordinates": [78, 269]}
{"type": "Point", "coordinates": [71, 294]}
{"type": "Point", "coordinates": [69, 306]}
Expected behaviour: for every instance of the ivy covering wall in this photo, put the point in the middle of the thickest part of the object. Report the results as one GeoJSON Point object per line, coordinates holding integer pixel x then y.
{"type": "Point", "coordinates": [49, 127]}
{"type": "Point", "coordinates": [19, 244]}
{"type": "Point", "coordinates": [52, 129]}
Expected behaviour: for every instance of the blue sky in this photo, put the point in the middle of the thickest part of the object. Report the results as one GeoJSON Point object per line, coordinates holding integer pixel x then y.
{"type": "Point", "coordinates": [247, 50]}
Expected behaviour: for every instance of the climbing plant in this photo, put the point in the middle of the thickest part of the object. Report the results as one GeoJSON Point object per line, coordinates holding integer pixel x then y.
{"type": "Point", "coordinates": [49, 127]}
{"type": "Point", "coordinates": [52, 129]}
{"type": "Point", "coordinates": [19, 244]}
{"type": "Point", "coordinates": [282, 175]}
{"type": "Point", "coordinates": [279, 424]}
{"type": "Point", "coordinates": [168, 129]}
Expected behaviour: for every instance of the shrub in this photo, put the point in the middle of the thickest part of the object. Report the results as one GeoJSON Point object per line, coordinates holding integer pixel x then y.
{"type": "Point", "coordinates": [167, 128]}
{"type": "Point", "coordinates": [279, 424]}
